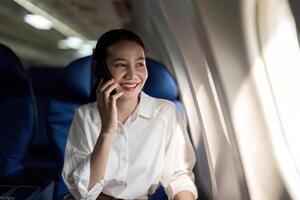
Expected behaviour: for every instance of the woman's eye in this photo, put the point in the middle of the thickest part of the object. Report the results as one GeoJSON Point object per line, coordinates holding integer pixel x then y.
{"type": "Point", "coordinates": [120, 65]}
{"type": "Point", "coordinates": [140, 65]}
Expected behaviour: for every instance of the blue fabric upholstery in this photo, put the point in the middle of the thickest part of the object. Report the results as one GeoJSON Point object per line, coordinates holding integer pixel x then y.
{"type": "Point", "coordinates": [74, 88]}
{"type": "Point", "coordinates": [40, 152]}
{"type": "Point", "coordinates": [160, 83]}
{"type": "Point", "coordinates": [17, 114]}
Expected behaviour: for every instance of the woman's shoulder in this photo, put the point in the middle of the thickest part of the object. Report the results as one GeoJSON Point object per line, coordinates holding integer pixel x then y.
{"type": "Point", "coordinates": [87, 110]}
{"type": "Point", "coordinates": [161, 105]}
{"type": "Point", "coordinates": [164, 103]}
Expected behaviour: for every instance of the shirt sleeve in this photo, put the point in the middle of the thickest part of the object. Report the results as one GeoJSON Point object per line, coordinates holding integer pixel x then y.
{"type": "Point", "coordinates": [76, 169]}
{"type": "Point", "coordinates": [179, 159]}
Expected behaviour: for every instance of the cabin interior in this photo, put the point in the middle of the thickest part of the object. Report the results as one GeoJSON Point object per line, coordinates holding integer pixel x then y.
{"type": "Point", "coordinates": [231, 66]}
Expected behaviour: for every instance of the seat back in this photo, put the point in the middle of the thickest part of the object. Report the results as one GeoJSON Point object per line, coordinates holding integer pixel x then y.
{"type": "Point", "coordinates": [43, 81]}
{"type": "Point", "coordinates": [74, 86]}
{"type": "Point", "coordinates": [18, 113]}
{"type": "Point", "coordinates": [161, 83]}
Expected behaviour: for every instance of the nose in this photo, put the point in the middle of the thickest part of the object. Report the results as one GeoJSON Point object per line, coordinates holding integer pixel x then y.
{"type": "Point", "coordinates": [130, 73]}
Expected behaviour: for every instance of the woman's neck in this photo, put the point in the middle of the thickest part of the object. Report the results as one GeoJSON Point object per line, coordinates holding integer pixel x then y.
{"type": "Point", "coordinates": [126, 108]}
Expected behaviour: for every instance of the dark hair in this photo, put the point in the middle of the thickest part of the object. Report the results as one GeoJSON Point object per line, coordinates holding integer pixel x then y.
{"type": "Point", "coordinates": [106, 40]}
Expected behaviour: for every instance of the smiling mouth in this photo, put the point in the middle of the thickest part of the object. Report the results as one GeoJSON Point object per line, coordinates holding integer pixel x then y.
{"type": "Point", "coordinates": [129, 86]}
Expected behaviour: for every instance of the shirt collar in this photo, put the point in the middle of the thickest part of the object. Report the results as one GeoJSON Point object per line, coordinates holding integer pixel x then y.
{"type": "Point", "coordinates": [146, 106]}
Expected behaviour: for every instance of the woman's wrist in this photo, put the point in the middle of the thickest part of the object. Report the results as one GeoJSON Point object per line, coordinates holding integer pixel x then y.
{"type": "Point", "coordinates": [104, 141]}
{"type": "Point", "coordinates": [106, 136]}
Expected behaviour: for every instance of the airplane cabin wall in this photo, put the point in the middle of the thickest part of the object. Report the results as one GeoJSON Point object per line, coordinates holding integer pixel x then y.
{"type": "Point", "coordinates": [218, 170]}
{"type": "Point", "coordinates": [213, 48]}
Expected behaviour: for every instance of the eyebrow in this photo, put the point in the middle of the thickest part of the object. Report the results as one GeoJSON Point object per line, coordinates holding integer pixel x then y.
{"type": "Point", "coordinates": [123, 59]}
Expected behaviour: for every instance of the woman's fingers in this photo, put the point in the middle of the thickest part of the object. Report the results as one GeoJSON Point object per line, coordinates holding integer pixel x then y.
{"type": "Point", "coordinates": [106, 84]}
{"type": "Point", "coordinates": [115, 97]}
{"type": "Point", "coordinates": [102, 87]}
{"type": "Point", "coordinates": [109, 89]}
{"type": "Point", "coordinates": [105, 96]}
{"type": "Point", "coordinates": [106, 102]}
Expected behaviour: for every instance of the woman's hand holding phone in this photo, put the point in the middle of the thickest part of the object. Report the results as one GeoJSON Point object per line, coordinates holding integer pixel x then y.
{"type": "Point", "coordinates": [106, 103]}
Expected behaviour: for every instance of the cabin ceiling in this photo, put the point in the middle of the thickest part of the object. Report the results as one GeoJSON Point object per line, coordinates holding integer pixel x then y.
{"type": "Point", "coordinates": [89, 18]}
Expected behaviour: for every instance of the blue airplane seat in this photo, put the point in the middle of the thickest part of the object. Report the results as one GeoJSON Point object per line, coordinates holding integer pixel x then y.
{"type": "Point", "coordinates": [74, 86]}
{"type": "Point", "coordinates": [161, 84]}
{"type": "Point", "coordinates": [18, 113]}
{"type": "Point", "coordinates": [18, 123]}
{"type": "Point", "coordinates": [41, 154]}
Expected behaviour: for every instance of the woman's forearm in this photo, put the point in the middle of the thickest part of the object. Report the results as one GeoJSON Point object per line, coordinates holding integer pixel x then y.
{"type": "Point", "coordinates": [99, 158]}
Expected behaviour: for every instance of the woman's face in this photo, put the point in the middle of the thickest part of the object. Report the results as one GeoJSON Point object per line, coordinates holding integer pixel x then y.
{"type": "Point", "coordinates": [126, 62]}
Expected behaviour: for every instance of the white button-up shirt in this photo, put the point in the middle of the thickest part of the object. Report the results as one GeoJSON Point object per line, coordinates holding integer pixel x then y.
{"type": "Point", "coordinates": [152, 147]}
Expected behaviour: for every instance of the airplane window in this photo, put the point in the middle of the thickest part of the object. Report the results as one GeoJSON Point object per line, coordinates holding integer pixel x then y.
{"type": "Point", "coordinates": [281, 55]}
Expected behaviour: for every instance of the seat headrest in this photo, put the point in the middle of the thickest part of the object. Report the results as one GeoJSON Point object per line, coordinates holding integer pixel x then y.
{"type": "Point", "coordinates": [160, 82]}
{"type": "Point", "coordinates": [13, 77]}
{"type": "Point", "coordinates": [10, 64]}
{"type": "Point", "coordinates": [76, 79]}
{"type": "Point", "coordinates": [44, 78]}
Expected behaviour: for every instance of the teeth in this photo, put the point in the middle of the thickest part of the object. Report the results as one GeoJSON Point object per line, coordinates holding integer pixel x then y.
{"type": "Point", "coordinates": [129, 85]}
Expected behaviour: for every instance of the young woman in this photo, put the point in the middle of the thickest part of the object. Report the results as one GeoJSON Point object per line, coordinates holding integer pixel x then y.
{"type": "Point", "coordinates": [127, 143]}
